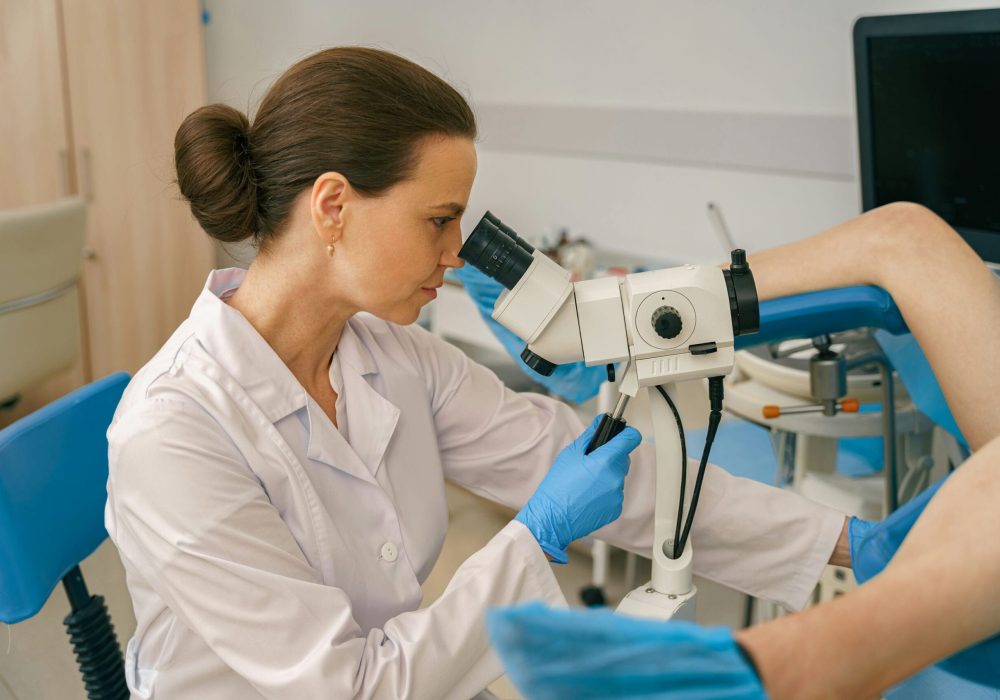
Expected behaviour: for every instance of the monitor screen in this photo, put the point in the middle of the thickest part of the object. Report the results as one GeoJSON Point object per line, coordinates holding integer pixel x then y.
{"type": "Point", "coordinates": [929, 118]}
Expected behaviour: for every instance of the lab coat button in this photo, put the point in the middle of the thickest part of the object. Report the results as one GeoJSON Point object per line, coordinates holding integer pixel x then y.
{"type": "Point", "coordinates": [389, 552]}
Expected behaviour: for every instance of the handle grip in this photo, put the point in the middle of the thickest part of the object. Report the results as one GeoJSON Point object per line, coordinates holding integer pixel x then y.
{"type": "Point", "coordinates": [606, 429]}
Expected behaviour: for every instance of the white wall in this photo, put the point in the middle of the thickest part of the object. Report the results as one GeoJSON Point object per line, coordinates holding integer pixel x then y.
{"type": "Point", "coordinates": [748, 57]}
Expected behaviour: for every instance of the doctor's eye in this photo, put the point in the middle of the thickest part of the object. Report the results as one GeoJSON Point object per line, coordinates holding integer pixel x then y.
{"type": "Point", "coordinates": [441, 221]}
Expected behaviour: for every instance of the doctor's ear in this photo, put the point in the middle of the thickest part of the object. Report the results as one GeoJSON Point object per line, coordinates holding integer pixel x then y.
{"type": "Point", "coordinates": [329, 194]}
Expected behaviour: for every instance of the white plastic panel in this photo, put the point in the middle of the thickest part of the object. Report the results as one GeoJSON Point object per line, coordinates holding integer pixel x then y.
{"type": "Point", "coordinates": [602, 327]}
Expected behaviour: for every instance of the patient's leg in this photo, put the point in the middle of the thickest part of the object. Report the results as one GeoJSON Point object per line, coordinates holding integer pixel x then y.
{"type": "Point", "coordinates": [936, 597]}
{"type": "Point", "coordinates": [950, 300]}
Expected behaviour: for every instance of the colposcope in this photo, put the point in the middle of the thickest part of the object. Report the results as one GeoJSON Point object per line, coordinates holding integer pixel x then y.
{"type": "Point", "coordinates": [663, 326]}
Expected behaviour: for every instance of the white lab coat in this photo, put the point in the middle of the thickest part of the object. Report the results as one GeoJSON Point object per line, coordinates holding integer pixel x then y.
{"type": "Point", "coordinates": [271, 555]}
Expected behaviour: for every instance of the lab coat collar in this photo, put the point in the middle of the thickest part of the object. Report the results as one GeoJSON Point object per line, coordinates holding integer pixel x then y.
{"type": "Point", "coordinates": [371, 418]}
{"type": "Point", "coordinates": [353, 354]}
{"type": "Point", "coordinates": [242, 351]}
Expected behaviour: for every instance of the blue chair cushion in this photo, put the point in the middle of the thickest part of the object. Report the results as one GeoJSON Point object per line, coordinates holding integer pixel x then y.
{"type": "Point", "coordinates": [828, 311]}
{"type": "Point", "coordinates": [53, 487]}
{"type": "Point", "coordinates": [914, 370]}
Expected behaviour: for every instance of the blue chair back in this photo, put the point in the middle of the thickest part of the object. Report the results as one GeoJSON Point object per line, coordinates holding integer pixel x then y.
{"type": "Point", "coordinates": [53, 487]}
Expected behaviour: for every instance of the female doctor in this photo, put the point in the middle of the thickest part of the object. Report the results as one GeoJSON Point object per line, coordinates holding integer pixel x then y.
{"type": "Point", "coordinates": [277, 470]}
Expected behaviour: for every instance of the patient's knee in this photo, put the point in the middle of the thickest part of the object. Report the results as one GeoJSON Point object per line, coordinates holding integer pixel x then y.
{"type": "Point", "coordinates": [915, 226]}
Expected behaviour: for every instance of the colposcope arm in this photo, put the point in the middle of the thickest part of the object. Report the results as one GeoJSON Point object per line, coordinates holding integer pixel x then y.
{"type": "Point", "coordinates": [828, 311]}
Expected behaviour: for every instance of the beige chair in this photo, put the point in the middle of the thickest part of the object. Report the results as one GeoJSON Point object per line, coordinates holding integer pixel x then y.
{"type": "Point", "coordinates": [41, 253]}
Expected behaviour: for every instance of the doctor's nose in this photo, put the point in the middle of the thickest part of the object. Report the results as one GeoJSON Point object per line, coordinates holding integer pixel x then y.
{"type": "Point", "coordinates": [449, 256]}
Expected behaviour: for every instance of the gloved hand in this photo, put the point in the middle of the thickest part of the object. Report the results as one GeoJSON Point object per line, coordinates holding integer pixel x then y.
{"type": "Point", "coordinates": [581, 654]}
{"type": "Point", "coordinates": [575, 382]}
{"type": "Point", "coordinates": [581, 493]}
{"type": "Point", "coordinates": [873, 545]}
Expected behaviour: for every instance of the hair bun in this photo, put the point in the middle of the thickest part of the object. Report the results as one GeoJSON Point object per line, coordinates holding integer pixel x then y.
{"type": "Point", "coordinates": [355, 111]}
{"type": "Point", "coordinates": [213, 157]}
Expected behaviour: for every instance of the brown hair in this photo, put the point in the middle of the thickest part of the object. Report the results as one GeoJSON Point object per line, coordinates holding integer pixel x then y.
{"type": "Point", "coordinates": [356, 111]}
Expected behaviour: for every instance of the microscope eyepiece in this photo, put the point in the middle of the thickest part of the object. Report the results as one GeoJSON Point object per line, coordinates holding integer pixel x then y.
{"type": "Point", "coordinates": [509, 231]}
{"type": "Point", "coordinates": [497, 251]}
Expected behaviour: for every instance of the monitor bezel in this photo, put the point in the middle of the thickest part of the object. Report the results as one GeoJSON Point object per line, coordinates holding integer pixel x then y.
{"type": "Point", "coordinates": [986, 243]}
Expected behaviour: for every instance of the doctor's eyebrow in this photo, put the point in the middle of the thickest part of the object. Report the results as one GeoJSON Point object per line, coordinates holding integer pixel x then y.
{"type": "Point", "coordinates": [453, 207]}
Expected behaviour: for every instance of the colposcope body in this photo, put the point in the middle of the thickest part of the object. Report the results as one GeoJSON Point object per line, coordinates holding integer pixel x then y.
{"type": "Point", "coordinates": [668, 325]}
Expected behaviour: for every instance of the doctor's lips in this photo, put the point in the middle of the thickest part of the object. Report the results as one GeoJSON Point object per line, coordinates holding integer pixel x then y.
{"type": "Point", "coordinates": [432, 291]}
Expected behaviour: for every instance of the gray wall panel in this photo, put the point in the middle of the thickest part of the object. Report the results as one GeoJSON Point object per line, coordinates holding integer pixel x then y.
{"type": "Point", "coordinates": [803, 145]}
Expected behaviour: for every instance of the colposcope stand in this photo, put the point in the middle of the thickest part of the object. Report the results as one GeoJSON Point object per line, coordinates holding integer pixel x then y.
{"type": "Point", "coordinates": [670, 593]}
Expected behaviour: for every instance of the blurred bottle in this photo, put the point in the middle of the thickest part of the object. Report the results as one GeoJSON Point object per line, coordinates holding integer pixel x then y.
{"type": "Point", "coordinates": [579, 258]}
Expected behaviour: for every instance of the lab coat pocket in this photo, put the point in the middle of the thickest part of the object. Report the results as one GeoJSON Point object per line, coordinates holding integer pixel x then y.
{"type": "Point", "coordinates": [140, 681]}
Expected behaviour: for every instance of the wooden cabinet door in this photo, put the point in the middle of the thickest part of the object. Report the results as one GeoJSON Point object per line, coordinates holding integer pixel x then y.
{"type": "Point", "coordinates": [135, 70]}
{"type": "Point", "coordinates": [34, 167]}
{"type": "Point", "coordinates": [35, 153]}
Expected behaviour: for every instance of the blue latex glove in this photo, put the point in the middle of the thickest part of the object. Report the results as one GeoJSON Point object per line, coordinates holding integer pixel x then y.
{"type": "Point", "coordinates": [873, 544]}
{"type": "Point", "coordinates": [581, 493]}
{"type": "Point", "coordinates": [581, 654]}
{"type": "Point", "coordinates": [575, 382]}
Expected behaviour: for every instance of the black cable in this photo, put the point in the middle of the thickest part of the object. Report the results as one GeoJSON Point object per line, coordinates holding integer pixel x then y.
{"type": "Point", "coordinates": [684, 459]}
{"type": "Point", "coordinates": [713, 425]}
{"type": "Point", "coordinates": [715, 390]}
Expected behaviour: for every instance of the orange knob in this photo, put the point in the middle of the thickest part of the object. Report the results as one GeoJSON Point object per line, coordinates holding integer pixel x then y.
{"type": "Point", "coordinates": [849, 405]}
{"type": "Point", "coordinates": [772, 411]}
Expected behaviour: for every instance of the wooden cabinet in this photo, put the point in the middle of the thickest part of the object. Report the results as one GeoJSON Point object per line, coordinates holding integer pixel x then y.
{"type": "Point", "coordinates": [135, 70]}
{"type": "Point", "coordinates": [34, 155]}
{"type": "Point", "coordinates": [94, 92]}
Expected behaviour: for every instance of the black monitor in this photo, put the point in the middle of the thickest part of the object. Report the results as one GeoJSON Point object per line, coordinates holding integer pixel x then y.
{"type": "Point", "coordinates": [929, 117]}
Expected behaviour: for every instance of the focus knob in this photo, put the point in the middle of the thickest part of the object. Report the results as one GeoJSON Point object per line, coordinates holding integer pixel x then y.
{"type": "Point", "coordinates": [667, 322]}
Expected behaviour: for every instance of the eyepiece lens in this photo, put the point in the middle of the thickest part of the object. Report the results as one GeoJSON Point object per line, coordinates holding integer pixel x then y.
{"type": "Point", "coordinates": [511, 233]}
{"type": "Point", "coordinates": [495, 253]}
